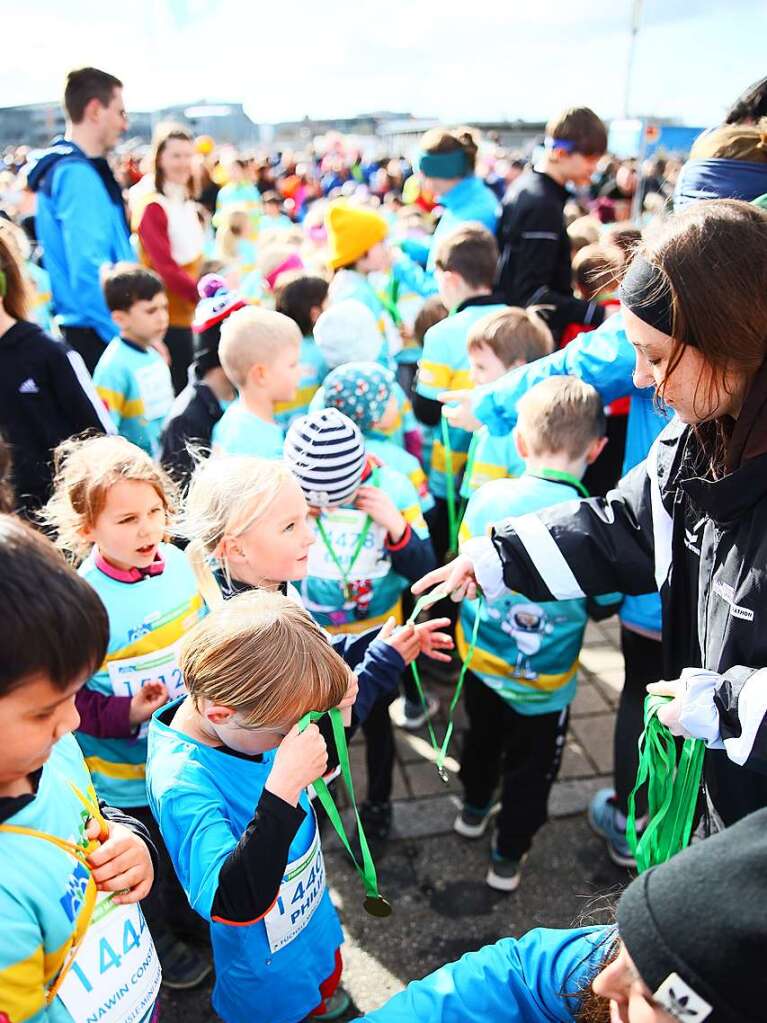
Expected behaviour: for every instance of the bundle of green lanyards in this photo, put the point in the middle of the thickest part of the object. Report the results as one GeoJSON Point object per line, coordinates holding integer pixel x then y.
{"type": "Point", "coordinates": [673, 786]}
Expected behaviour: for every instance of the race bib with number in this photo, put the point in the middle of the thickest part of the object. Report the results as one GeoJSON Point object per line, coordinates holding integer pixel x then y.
{"type": "Point", "coordinates": [115, 977]}
{"type": "Point", "coordinates": [301, 891]}
{"type": "Point", "coordinates": [343, 527]}
{"type": "Point", "coordinates": [131, 674]}
{"type": "Point", "coordinates": [155, 388]}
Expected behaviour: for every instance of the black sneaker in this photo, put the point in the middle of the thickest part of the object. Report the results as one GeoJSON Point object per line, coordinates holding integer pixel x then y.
{"type": "Point", "coordinates": [183, 967]}
{"type": "Point", "coordinates": [471, 822]}
{"type": "Point", "coordinates": [503, 875]}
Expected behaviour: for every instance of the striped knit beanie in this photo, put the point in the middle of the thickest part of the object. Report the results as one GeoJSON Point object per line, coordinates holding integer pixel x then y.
{"type": "Point", "coordinates": [361, 390]}
{"type": "Point", "coordinates": [325, 451]}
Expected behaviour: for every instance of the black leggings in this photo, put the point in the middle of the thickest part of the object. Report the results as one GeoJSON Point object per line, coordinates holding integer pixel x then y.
{"type": "Point", "coordinates": [524, 751]}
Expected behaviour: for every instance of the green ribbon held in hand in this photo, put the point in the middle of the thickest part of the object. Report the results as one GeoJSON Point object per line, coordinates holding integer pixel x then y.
{"type": "Point", "coordinates": [439, 593]}
{"type": "Point", "coordinates": [453, 524]}
{"type": "Point", "coordinates": [673, 787]}
{"type": "Point", "coordinates": [375, 904]}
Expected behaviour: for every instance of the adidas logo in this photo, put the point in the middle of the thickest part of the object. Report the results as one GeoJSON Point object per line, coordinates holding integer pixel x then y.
{"type": "Point", "coordinates": [29, 387]}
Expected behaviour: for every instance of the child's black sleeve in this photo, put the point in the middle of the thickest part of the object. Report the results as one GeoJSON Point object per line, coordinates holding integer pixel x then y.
{"type": "Point", "coordinates": [249, 880]}
{"type": "Point", "coordinates": [412, 557]}
{"type": "Point", "coordinates": [426, 410]}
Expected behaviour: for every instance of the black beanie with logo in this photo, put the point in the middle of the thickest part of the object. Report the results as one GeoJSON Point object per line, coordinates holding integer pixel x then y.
{"type": "Point", "coordinates": [696, 927]}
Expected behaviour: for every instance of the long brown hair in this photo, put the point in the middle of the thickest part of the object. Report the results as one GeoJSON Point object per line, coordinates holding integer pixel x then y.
{"type": "Point", "coordinates": [16, 300]}
{"type": "Point", "coordinates": [164, 134]}
{"type": "Point", "coordinates": [714, 272]}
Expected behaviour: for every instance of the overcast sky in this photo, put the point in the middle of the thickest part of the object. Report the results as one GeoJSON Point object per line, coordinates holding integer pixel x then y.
{"type": "Point", "coordinates": [457, 60]}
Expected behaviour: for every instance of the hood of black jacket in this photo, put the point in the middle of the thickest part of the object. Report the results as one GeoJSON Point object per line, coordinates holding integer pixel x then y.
{"type": "Point", "coordinates": [20, 332]}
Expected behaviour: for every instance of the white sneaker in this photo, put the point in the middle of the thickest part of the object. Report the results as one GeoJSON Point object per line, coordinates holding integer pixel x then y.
{"type": "Point", "coordinates": [471, 823]}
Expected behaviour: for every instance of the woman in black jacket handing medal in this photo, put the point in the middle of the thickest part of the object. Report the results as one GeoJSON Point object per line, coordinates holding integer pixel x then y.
{"type": "Point", "coordinates": [692, 519]}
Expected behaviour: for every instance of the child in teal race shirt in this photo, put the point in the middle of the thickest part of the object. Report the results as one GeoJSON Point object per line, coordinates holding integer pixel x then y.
{"type": "Point", "coordinates": [523, 673]}
{"type": "Point", "coordinates": [132, 377]}
{"type": "Point", "coordinates": [74, 870]}
{"type": "Point", "coordinates": [111, 507]}
{"type": "Point", "coordinates": [497, 343]}
{"type": "Point", "coordinates": [370, 540]}
{"type": "Point", "coordinates": [302, 297]}
{"type": "Point", "coordinates": [228, 773]}
{"type": "Point", "coordinates": [259, 350]}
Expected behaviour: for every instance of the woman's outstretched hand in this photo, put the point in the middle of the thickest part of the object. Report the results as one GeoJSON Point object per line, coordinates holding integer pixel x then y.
{"type": "Point", "coordinates": [457, 576]}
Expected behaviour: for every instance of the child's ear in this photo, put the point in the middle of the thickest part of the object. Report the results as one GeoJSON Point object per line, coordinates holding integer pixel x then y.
{"type": "Point", "coordinates": [219, 714]}
{"type": "Point", "coordinates": [595, 449]}
{"type": "Point", "coordinates": [315, 312]}
{"type": "Point", "coordinates": [120, 317]}
{"type": "Point", "coordinates": [521, 443]}
{"type": "Point", "coordinates": [256, 374]}
{"type": "Point", "coordinates": [231, 551]}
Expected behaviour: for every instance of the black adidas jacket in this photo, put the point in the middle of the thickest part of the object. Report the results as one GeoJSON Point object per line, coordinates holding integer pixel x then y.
{"type": "Point", "coordinates": [534, 267]}
{"type": "Point", "coordinates": [46, 396]}
{"type": "Point", "coordinates": [703, 543]}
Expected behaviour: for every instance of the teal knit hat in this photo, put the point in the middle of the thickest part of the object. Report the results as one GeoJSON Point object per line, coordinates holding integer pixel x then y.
{"type": "Point", "coordinates": [361, 390]}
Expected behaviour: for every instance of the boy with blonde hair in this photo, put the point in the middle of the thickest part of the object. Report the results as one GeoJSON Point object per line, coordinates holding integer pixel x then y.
{"type": "Point", "coordinates": [523, 673]}
{"type": "Point", "coordinates": [259, 351]}
{"type": "Point", "coordinates": [497, 343]}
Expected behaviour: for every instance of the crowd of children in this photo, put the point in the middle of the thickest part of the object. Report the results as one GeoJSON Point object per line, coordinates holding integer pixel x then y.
{"type": "Point", "coordinates": [232, 594]}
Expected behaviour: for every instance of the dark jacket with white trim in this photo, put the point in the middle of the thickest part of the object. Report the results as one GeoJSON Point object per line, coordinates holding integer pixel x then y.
{"type": "Point", "coordinates": [46, 396]}
{"type": "Point", "coordinates": [704, 543]}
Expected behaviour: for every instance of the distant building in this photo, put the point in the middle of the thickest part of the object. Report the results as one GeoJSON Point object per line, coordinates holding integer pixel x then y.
{"type": "Point", "coordinates": [33, 124]}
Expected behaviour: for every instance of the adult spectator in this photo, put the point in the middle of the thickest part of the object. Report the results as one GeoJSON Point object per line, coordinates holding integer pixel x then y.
{"type": "Point", "coordinates": [80, 212]}
{"type": "Point", "coordinates": [166, 220]}
{"type": "Point", "coordinates": [534, 266]}
{"type": "Point", "coordinates": [46, 394]}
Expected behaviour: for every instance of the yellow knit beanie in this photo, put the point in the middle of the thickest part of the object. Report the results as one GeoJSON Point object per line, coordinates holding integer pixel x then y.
{"type": "Point", "coordinates": [351, 233]}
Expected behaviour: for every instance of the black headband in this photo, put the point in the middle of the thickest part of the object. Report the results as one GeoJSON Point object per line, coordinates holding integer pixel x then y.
{"type": "Point", "coordinates": [645, 291]}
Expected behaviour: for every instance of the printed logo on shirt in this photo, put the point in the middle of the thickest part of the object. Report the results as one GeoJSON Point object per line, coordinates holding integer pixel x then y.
{"type": "Point", "coordinates": [727, 593]}
{"type": "Point", "coordinates": [692, 539]}
{"type": "Point", "coordinates": [29, 387]}
{"type": "Point", "coordinates": [73, 897]}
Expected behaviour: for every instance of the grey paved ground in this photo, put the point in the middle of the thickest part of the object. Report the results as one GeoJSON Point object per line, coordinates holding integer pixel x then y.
{"type": "Point", "coordinates": [435, 880]}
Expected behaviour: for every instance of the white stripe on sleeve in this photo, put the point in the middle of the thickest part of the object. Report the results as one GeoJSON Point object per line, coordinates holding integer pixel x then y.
{"type": "Point", "coordinates": [661, 521]}
{"type": "Point", "coordinates": [86, 382]}
{"type": "Point", "coordinates": [547, 557]}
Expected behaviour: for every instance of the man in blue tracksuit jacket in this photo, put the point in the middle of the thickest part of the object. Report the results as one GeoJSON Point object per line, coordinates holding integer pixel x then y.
{"type": "Point", "coordinates": [80, 217]}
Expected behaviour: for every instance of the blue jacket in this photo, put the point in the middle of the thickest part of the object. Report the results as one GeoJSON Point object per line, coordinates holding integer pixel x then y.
{"type": "Point", "coordinates": [468, 201]}
{"type": "Point", "coordinates": [525, 980]}
{"type": "Point", "coordinates": [605, 359]}
{"type": "Point", "coordinates": [81, 225]}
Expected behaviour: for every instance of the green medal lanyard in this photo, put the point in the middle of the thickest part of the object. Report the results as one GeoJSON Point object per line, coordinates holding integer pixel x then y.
{"type": "Point", "coordinates": [672, 790]}
{"type": "Point", "coordinates": [453, 523]}
{"type": "Point", "coordinates": [344, 572]}
{"type": "Point", "coordinates": [441, 751]}
{"type": "Point", "coordinates": [557, 476]}
{"type": "Point", "coordinates": [375, 904]}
